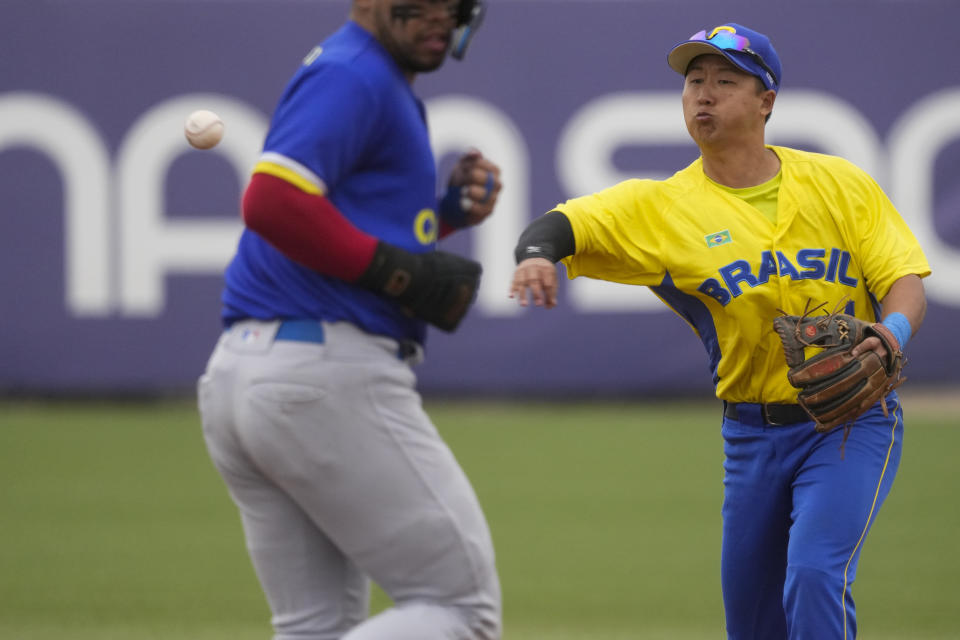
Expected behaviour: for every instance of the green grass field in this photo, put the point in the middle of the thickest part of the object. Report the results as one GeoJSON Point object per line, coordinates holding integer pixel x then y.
{"type": "Point", "coordinates": [606, 518]}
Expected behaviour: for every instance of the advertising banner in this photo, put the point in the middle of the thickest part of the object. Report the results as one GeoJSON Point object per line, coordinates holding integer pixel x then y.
{"type": "Point", "coordinates": [116, 233]}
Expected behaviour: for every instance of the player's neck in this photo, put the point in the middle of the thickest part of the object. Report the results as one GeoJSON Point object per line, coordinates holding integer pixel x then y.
{"type": "Point", "coordinates": [741, 166]}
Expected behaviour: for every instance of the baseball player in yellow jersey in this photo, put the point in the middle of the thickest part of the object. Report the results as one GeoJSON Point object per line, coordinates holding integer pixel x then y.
{"type": "Point", "coordinates": [745, 231]}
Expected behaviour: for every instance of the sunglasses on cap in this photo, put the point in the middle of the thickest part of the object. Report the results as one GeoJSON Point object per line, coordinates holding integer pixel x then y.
{"type": "Point", "coordinates": [730, 41]}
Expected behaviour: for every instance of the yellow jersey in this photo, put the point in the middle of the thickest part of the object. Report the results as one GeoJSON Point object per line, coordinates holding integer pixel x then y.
{"type": "Point", "coordinates": [725, 268]}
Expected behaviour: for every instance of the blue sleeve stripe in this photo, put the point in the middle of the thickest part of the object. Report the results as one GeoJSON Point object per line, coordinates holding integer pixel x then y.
{"type": "Point", "coordinates": [695, 312]}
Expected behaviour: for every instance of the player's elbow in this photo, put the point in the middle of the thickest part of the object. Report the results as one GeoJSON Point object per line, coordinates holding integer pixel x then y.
{"type": "Point", "coordinates": [257, 203]}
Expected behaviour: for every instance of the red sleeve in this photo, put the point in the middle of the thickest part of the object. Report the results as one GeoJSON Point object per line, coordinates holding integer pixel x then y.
{"type": "Point", "coordinates": [306, 228]}
{"type": "Point", "coordinates": [445, 229]}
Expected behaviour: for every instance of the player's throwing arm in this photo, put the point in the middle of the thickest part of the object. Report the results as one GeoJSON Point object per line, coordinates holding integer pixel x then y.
{"type": "Point", "coordinates": [535, 279]}
{"type": "Point", "coordinates": [546, 240]}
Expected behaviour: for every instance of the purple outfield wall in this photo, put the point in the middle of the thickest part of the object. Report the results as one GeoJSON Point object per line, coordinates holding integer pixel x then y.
{"type": "Point", "coordinates": [115, 233]}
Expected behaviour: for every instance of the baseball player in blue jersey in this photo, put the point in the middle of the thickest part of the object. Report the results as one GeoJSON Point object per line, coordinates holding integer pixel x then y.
{"type": "Point", "coordinates": [309, 406]}
{"type": "Point", "coordinates": [744, 232]}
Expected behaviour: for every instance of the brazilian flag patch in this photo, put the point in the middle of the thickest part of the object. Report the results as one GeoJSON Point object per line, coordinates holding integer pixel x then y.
{"type": "Point", "coordinates": [718, 238]}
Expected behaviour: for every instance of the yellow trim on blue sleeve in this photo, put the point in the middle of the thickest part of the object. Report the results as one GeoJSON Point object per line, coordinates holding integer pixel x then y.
{"type": "Point", "coordinates": [288, 175]}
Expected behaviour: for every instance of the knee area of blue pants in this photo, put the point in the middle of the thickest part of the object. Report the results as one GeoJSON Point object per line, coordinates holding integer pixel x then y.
{"type": "Point", "coordinates": [818, 604]}
{"type": "Point", "coordinates": [811, 578]}
{"type": "Point", "coordinates": [810, 591]}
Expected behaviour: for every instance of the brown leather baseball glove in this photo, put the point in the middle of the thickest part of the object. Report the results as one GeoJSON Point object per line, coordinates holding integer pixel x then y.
{"type": "Point", "coordinates": [836, 387]}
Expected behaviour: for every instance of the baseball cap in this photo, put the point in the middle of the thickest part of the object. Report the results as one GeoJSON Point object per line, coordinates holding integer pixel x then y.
{"type": "Point", "coordinates": [748, 49]}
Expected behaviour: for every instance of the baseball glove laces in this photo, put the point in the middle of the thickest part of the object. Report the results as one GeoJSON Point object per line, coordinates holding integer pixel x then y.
{"type": "Point", "coordinates": [835, 386]}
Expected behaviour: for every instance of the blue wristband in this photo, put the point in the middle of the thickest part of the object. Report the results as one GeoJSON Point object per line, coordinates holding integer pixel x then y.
{"type": "Point", "coordinates": [488, 186]}
{"type": "Point", "coordinates": [451, 210]}
{"type": "Point", "coordinates": [899, 326]}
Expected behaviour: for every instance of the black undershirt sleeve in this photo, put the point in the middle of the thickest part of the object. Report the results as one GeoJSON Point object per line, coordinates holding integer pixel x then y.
{"type": "Point", "coordinates": [550, 236]}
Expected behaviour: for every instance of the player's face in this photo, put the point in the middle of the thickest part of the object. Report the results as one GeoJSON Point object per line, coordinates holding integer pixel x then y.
{"type": "Point", "coordinates": [415, 32]}
{"type": "Point", "coordinates": [722, 104]}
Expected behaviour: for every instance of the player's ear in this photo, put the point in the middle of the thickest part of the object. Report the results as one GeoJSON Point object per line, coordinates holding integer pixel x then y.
{"type": "Point", "coordinates": [362, 6]}
{"type": "Point", "coordinates": [361, 12]}
{"type": "Point", "coordinates": [766, 102]}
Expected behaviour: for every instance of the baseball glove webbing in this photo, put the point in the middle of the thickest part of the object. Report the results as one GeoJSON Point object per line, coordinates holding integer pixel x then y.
{"type": "Point", "coordinates": [835, 386]}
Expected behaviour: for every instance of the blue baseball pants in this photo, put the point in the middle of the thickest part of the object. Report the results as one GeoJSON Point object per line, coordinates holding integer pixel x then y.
{"type": "Point", "coordinates": [796, 513]}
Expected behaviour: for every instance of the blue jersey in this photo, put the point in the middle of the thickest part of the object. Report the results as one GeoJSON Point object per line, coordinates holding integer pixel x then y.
{"type": "Point", "coordinates": [348, 126]}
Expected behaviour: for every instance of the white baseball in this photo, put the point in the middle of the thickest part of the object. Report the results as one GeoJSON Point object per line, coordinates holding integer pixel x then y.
{"type": "Point", "coordinates": [203, 129]}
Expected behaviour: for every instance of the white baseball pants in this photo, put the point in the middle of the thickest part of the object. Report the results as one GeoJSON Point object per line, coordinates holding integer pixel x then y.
{"type": "Point", "coordinates": [339, 474]}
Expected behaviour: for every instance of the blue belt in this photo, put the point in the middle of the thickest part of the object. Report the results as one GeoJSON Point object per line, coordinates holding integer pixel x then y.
{"type": "Point", "coordinates": [300, 331]}
{"type": "Point", "coordinates": [312, 331]}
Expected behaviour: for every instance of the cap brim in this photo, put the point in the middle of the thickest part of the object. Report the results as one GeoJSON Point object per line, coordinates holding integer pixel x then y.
{"type": "Point", "coordinates": [682, 54]}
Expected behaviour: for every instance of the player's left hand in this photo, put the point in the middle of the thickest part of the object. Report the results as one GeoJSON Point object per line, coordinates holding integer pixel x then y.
{"type": "Point", "coordinates": [870, 344]}
{"type": "Point", "coordinates": [479, 182]}
{"type": "Point", "coordinates": [842, 381]}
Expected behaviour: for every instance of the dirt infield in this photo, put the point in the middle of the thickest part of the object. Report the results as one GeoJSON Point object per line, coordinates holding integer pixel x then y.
{"type": "Point", "coordinates": [932, 399]}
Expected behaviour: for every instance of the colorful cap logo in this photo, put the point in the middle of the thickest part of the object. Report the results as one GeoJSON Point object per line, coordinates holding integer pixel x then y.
{"type": "Point", "coordinates": [748, 49]}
